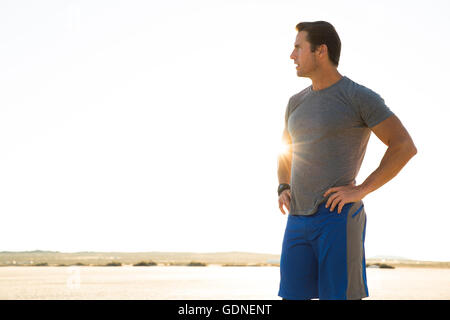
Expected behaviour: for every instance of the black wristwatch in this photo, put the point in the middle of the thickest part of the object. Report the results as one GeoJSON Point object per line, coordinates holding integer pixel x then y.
{"type": "Point", "coordinates": [282, 187]}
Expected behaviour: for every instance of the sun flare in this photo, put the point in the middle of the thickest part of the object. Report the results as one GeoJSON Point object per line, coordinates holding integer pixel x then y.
{"type": "Point", "coordinates": [283, 148]}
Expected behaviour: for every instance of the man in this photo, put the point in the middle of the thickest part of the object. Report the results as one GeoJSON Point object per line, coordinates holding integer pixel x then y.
{"type": "Point", "coordinates": [327, 127]}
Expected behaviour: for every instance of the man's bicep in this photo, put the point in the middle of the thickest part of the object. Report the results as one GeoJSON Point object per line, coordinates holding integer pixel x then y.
{"type": "Point", "coordinates": [286, 142]}
{"type": "Point", "coordinates": [286, 138]}
{"type": "Point", "coordinates": [391, 132]}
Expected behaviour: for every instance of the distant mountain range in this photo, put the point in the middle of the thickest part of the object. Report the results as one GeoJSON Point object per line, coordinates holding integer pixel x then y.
{"type": "Point", "coordinates": [378, 257]}
{"type": "Point", "coordinates": [52, 258]}
{"type": "Point", "coordinates": [396, 258]}
{"type": "Point", "coordinates": [33, 251]}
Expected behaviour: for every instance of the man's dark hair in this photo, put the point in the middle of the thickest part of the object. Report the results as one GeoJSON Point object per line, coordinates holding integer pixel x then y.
{"type": "Point", "coordinates": [322, 32]}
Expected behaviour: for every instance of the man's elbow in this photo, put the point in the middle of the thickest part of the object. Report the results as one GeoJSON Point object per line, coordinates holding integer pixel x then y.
{"type": "Point", "coordinates": [410, 148]}
{"type": "Point", "coordinates": [407, 146]}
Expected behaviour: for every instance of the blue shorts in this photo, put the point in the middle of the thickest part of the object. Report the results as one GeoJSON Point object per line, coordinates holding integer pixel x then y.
{"type": "Point", "coordinates": [323, 255]}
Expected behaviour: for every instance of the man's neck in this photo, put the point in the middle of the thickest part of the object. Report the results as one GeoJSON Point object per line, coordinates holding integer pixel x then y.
{"type": "Point", "coordinates": [326, 80]}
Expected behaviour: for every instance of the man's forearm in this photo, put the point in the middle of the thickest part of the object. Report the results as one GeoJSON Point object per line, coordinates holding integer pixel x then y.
{"type": "Point", "coordinates": [393, 161]}
{"type": "Point", "coordinates": [284, 168]}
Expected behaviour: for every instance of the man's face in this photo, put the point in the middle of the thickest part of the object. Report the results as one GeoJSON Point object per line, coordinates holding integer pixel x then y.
{"type": "Point", "coordinates": [303, 57]}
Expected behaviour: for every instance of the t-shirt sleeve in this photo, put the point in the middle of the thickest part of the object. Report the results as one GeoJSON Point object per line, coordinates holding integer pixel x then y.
{"type": "Point", "coordinates": [372, 107]}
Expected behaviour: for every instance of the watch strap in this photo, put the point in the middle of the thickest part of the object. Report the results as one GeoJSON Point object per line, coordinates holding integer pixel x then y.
{"type": "Point", "coordinates": [282, 187]}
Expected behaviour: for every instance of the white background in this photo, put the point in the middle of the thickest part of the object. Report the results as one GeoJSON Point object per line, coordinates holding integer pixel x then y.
{"type": "Point", "coordinates": [155, 125]}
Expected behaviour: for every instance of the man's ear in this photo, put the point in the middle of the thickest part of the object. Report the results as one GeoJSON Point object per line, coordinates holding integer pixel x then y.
{"type": "Point", "coordinates": [323, 50]}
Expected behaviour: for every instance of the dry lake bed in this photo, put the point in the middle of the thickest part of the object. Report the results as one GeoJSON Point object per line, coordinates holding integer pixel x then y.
{"type": "Point", "coordinates": [184, 283]}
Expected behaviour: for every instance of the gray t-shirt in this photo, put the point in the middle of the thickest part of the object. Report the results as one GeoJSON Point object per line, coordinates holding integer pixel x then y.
{"type": "Point", "coordinates": [330, 131]}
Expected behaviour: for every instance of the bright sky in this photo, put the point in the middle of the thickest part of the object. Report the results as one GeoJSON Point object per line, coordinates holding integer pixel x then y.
{"type": "Point", "coordinates": [155, 126]}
